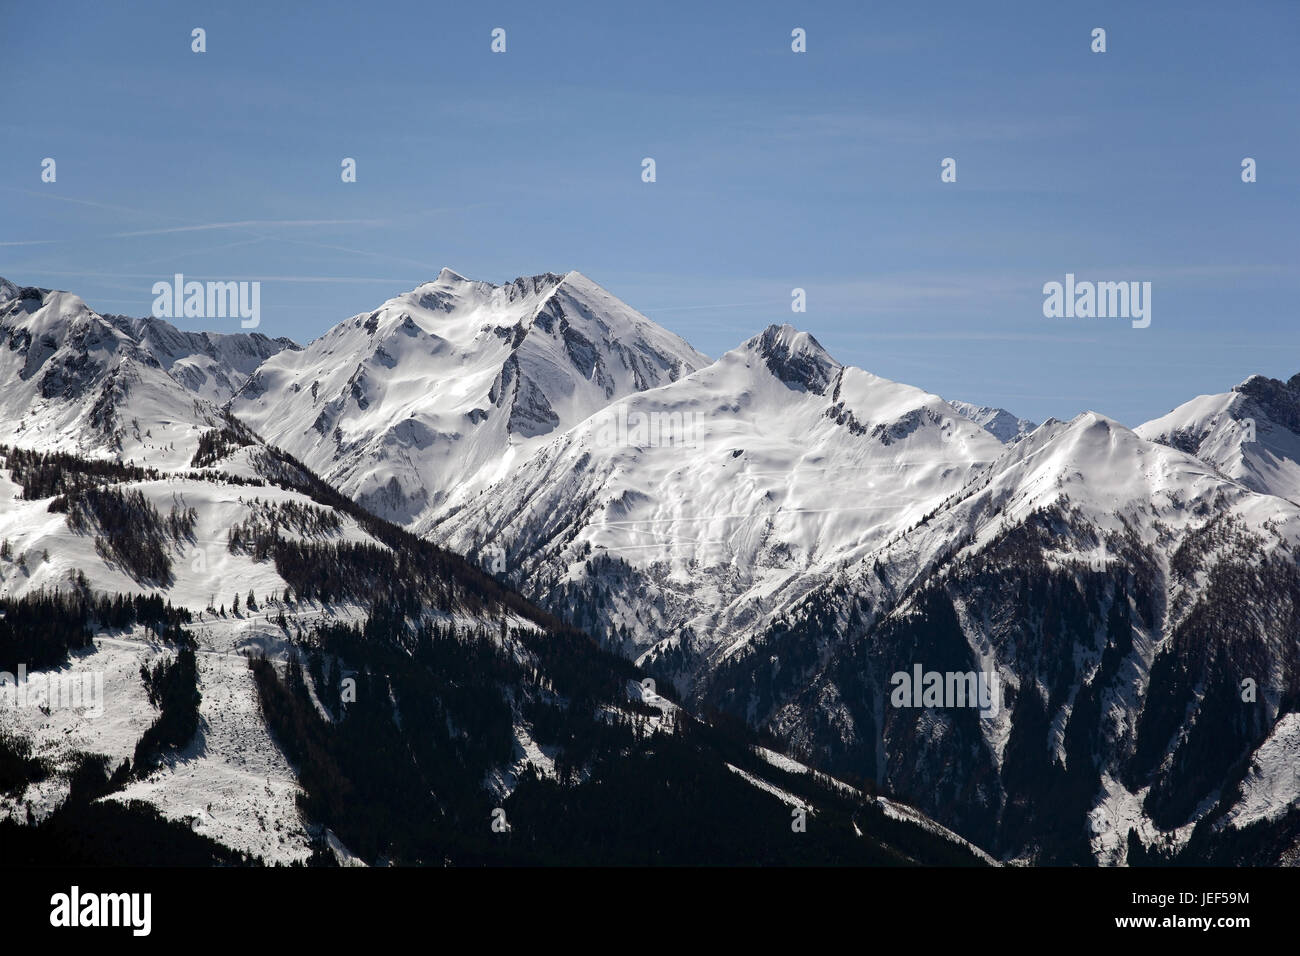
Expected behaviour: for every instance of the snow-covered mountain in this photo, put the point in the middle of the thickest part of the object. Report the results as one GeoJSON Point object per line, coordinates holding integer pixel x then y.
{"type": "Point", "coordinates": [138, 389]}
{"type": "Point", "coordinates": [74, 381]}
{"type": "Point", "coordinates": [1125, 593]}
{"type": "Point", "coordinates": [415, 406]}
{"type": "Point", "coordinates": [688, 513]}
{"type": "Point", "coordinates": [771, 536]}
{"type": "Point", "coordinates": [998, 422]}
{"type": "Point", "coordinates": [276, 672]}
{"type": "Point", "coordinates": [214, 365]}
{"type": "Point", "coordinates": [1251, 433]}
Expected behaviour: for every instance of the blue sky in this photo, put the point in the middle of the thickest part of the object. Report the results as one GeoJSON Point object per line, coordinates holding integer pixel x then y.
{"type": "Point", "coordinates": [774, 170]}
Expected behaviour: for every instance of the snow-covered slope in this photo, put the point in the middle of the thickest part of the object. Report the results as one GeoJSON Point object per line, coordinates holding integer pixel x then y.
{"type": "Point", "coordinates": [693, 510]}
{"type": "Point", "coordinates": [71, 380]}
{"type": "Point", "coordinates": [232, 781]}
{"type": "Point", "coordinates": [998, 422]}
{"type": "Point", "coordinates": [416, 405]}
{"type": "Point", "coordinates": [1251, 434]}
{"type": "Point", "coordinates": [773, 532]}
{"type": "Point", "coordinates": [213, 365]}
{"type": "Point", "coordinates": [461, 718]}
{"type": "Point", "coordinates": [1105, 579]}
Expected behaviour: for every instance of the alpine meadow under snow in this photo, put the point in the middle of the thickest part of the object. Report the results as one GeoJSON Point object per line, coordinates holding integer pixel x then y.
{"type": "Point", "coordinates": [488, 564]}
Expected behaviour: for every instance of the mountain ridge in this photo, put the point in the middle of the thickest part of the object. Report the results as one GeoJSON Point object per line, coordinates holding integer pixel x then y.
{"type": "Point", "coordinates": [769, 535]}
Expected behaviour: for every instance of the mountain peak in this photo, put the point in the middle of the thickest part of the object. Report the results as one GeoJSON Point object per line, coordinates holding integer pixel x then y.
{"type": "Point", "coordinates": [1279, 400]}
{"type": "Point", "coordinates": [439, 293]}
{"type": "Point", "coordinates": [1095, 419]}
{"type": "Point", "coordinates": [407, 406]}
{"type": "Point", "coordinates": [10, 291]}
{"type": "Point", "coordinates": [998, 422]}
{"type": "Point", "coordinates": [533, 285]}
{"type": "Point", "coordinates": [795, 357]}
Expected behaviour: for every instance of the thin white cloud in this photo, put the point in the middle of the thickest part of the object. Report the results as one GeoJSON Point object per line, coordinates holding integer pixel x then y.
{"type": "Point", "coordinates": [407, 282]}
{"type": "Point", "coordinates": [722, 305]}
{"type": "Point", "coordinates": [251, 224]}
{"type": "Point", "coordinates": [355, 252]}
{"type": "Point", "coordinates": [88, 202]}
{"type": "Point", "coordinates": [202, 252]}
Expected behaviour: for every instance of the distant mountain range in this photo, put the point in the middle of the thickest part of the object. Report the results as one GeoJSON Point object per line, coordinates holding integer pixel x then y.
{"type": "Point", "coordinates": [505, 512]}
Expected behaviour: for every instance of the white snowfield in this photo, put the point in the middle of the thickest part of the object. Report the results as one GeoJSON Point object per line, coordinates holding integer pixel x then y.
{"type": "Point", "coordinates": [231, 783]}
{"type": "Point", "coordinates": [65, 732]}
{"type": "Point", "coordinates": [1273, 780]}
